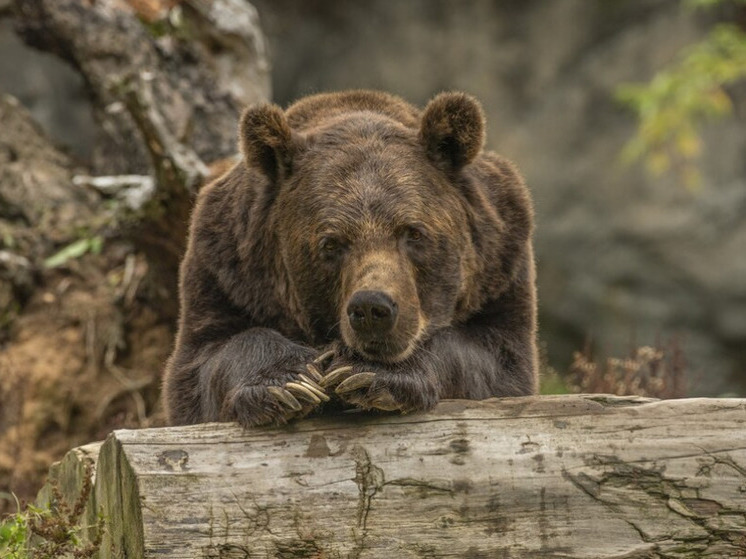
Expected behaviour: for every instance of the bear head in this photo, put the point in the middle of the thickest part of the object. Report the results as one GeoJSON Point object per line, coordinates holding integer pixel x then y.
{"type": "Point", "coordinates": [370, 213]}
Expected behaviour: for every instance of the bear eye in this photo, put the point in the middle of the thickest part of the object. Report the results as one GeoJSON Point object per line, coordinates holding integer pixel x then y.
{"type": "Point", "coordinates": [413, 234]}
{"type": "Point", "coordinates": [330, 245]}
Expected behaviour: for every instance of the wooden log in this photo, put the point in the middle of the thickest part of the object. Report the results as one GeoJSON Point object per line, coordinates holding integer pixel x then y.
{"type": "Point", "coordinates": [589, 476]}
{"type": "Point", "coordinates": [69, 475]}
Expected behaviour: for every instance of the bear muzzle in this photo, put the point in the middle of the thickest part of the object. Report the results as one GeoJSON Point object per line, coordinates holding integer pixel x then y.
{"type": "Point", "coordinates": [372, 313]}
{"type": "Point", "coordinates": [374, 327]}
{"type": "Point", "coordinates": [381, 319]}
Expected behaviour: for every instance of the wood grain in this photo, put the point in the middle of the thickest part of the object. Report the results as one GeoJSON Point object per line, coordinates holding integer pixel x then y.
{"type": "Point", "coordinates": [588, 476]}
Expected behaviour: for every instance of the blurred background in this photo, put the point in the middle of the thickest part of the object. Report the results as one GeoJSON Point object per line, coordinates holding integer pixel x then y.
{"type": "Point", "coordinates": [625, 116]}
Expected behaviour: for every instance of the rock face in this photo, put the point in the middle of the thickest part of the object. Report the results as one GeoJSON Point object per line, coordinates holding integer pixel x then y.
{"type": "Point", "coordinates": [623, 258]}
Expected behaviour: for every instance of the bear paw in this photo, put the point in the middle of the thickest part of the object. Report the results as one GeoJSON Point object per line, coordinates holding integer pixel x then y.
{"type": "Point", "coordinates": [254, 405]}
{"type": "Point", "coordinates": [305, 389]}
{"type": "Point", "coordinates": [367, 387]}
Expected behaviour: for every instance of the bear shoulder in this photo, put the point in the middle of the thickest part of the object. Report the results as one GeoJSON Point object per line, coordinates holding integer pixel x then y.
{"type": "Point", "coordinates": [507, 192]}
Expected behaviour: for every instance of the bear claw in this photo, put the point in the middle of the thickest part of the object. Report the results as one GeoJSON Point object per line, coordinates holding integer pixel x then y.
{"type": "Point", "coordinates": [323, 357]}
{"type": "Point", "coordinates": [355, 382]}
{"type": "Point", "coordinates": [385, 401]}
{"type": "Point", "coordinates": [313, 370]}
{"type": "Point", "coordinates": [313, 387]}
{"type": "Point", "coordinates": [284, 397]}
{"type": "Point", "coordinates": [335, 376]}
{"type": "Point", "coordinates": [304, 391]}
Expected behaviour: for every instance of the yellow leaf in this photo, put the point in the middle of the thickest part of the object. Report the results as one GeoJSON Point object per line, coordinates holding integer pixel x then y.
{"type": "Point", "coordinates": [692, 178]}
{"type": "Point", "coordinates": [719, 101]}
{"type": "Point", "coordinates": [658, 163]}
{"type": "Point", "coordinates": [689, 145]}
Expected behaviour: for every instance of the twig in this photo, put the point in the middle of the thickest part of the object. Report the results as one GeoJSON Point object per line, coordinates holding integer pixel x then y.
{"type": "Point", "coordinates": [133, 190]}
{"type": "Point", "coordinates": [177, 167]}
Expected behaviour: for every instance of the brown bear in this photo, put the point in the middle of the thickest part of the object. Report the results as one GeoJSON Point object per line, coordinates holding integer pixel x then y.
{"type": "Point", "coordinates": [363, 252]}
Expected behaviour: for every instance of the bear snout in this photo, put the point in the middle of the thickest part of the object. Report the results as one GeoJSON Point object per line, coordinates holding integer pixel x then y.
{"type": "Point", "coordinates": [372, 313]}
{"type": "Point", "coordinates": [380, 316]}
{"type": "Point", "coordinates": [375, 326]}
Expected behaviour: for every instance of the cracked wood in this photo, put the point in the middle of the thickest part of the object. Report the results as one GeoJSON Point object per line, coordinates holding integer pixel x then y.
{"type": "Point", "coordinates": [570, 476]}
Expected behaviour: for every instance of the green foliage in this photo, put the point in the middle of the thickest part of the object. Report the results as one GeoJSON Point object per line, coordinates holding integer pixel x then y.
{"type": "Point", "coordinates": [53, 532]}
{"type": "Point", "coordinates": [13, 532]}
{"type": "Point", "coordinates": [710, 3]}
{"type": "Point", "coordinates": [672, 108]}
{"type": "Point", "coordinates": [553, 383]}
{"type": "Point", "coordinates": [60, 537]}
{"type": "Point", "coordinates": [75, 250]}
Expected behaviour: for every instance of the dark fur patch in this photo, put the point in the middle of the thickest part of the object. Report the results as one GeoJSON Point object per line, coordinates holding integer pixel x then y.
{"type": "Point", "coordinates": [452, 130]}
{"type": "Point", "coordinates": [266, 140]}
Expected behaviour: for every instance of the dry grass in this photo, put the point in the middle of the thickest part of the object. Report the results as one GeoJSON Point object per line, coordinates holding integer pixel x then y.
{"type": "Point", "coordinates": [54, 532]}
{"type": "Point", "coordinates": [655, 371]}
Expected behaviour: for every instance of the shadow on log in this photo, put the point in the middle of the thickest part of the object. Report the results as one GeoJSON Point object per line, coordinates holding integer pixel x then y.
{"type": "Point", "coordinates": [589, 476]}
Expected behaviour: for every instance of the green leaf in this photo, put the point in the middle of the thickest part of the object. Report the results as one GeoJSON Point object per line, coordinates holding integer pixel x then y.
{"type": "Point", "coordinates": [12, 536]}
{"type": "Point", "coordinates": [710, 3]}
{"type": "Point", "coordinates": [553, 385]}
{"type": "Point", "coordinates": [680, 99]}
{"type": "Point", "coordinates": [75, 250]}
{"type": "Point", "coordinates": [97, 244]}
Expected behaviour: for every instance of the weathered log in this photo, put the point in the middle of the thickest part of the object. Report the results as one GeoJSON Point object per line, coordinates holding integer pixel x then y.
{"type": "Point", "coordinates": [590, 476]}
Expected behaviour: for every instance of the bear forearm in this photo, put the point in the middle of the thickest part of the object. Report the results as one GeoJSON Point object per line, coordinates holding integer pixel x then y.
{"type": "Point", "coordinates": [204, 387]}
{"type": "Point", "coordinates": [483, 362]}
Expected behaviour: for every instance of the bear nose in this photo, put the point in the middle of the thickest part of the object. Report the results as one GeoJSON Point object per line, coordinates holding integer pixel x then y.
{"type": "Point", "coordinates": [371, 312]}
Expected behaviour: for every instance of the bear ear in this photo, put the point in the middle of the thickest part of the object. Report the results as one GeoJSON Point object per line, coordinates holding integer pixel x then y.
{"type": "Point", "coordinates": [452, 130]}
{"type": "Point", "coordinates": [266, 140]}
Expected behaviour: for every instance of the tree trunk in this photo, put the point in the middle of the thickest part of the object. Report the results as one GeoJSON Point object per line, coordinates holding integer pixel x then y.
{"type": "Point", "coordinates": [588, 476]}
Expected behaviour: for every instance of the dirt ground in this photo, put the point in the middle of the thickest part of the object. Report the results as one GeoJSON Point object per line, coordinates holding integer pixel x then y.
{"type": "Point", "coordinates": [82, 343]}
{"type": "Point", "coordinates": [82, 361]}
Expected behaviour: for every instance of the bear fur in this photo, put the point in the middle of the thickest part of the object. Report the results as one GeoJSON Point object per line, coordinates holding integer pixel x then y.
{"type": "Point", "coordinates": [366, 243]}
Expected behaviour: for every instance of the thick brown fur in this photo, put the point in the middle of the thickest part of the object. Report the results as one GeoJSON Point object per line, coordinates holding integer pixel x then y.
{"type": "Point", "coordinates": [349, 197]}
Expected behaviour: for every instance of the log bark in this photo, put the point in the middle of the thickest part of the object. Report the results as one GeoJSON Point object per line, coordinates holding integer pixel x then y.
{"type": "Point", "coordinates": [588, 476]}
